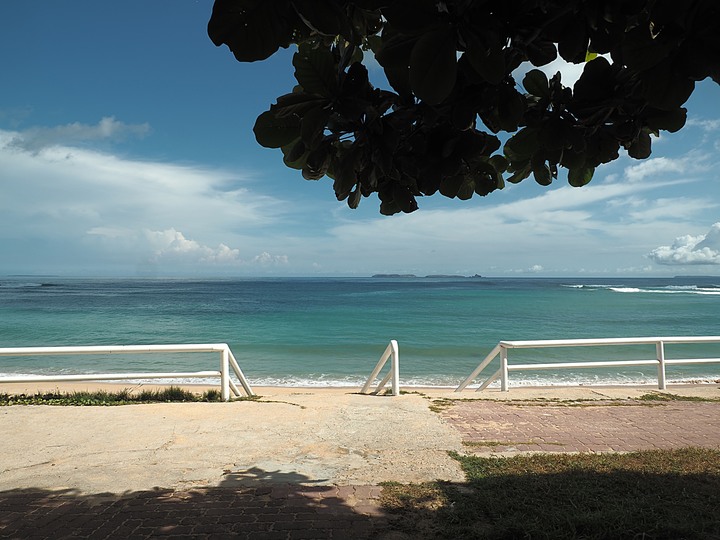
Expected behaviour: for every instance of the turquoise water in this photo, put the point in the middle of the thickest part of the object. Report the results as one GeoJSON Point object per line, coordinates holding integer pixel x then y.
{"type": "Point", "coordinates": [324, 331]}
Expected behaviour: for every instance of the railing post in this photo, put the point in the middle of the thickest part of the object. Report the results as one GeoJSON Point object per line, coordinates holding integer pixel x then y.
{"type": "Point", "coordinates": [660, 349]}
{"type": "Point", "coordinates": [503, 370]}
{"type": "Point", "coordinates": [225, 374]}
{"type": "Point", "coordinates": [395, 366]}
{"type": "Point", "coordinates": [241, 376]}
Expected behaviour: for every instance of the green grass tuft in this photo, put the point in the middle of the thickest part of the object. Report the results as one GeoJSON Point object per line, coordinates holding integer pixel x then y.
{"type": "Point", "coordinates": [172, 394]}
{"type": "Point", "coordinates": [660, 396]}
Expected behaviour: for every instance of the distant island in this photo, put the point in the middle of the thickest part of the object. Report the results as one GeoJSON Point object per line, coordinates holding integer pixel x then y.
{"type": "Point", "coordinates": [431, 276]}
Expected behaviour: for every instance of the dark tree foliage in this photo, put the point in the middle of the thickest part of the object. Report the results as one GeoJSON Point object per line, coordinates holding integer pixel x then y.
{"type": "Point", "coordinates": [450, 64]}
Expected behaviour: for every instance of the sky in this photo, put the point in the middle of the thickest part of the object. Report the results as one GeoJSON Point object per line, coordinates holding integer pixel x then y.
{"type": "Point", "coordinates": [126, 149]}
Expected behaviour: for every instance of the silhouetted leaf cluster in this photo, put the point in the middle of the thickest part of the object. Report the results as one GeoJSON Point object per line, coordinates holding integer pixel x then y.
{"type": "Point", "coordinates": [451, 65]}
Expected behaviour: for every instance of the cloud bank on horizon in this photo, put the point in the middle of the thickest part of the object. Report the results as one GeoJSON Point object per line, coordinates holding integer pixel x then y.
{"type": "Point", "coordinates": [136, 157]}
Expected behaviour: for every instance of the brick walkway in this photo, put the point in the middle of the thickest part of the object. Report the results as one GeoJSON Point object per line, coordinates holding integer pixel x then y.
{"type": "Point", "coordinates": [289, 512]}
{"type": "Point", "coordinates": [278, 512]}
{"type": "Point", "coordinates": [603, 427]}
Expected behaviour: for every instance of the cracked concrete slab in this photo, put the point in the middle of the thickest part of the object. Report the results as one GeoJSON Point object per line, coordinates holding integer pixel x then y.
{"type": "Point", "coordinates": [322, 437]}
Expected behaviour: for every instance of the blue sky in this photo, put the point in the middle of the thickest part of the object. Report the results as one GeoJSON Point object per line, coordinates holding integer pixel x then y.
{"type": "Point", "coordinates": [126, 149]}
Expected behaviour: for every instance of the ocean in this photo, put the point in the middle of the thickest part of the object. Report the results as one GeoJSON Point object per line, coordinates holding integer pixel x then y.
{"type": "Point", "coordinates": [332, 331]}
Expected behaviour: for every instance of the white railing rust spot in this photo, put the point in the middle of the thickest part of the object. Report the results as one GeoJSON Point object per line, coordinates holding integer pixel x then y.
{"type": "Point", "coordinates": [660, 361]}
{"type": "Point", "coordinates": [227, 362]}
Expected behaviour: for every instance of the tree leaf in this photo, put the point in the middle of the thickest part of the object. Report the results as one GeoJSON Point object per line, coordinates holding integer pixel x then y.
{"type": "Point", "coordinates": [573, 45]}
{"type": "Point", "coordinates": [520, 174]}
{"type": "Point", "coordinates": [345, 170]}
{"type": "Point", "coordinates": [325, 17]}
{"type": "Point", "coordinates": [317, 163]}
{"type": "Point", "coordinates": [596, 82]}
{"type": "Point", "coordinates": [498, 162]}
{"type": "Point", "coordinates": [522, 145]}
{"type": "Point", "coordinates": [487, 61]}
{"type": "Point", "coordinates": [297, 103]}
{"type": "Point", "coordinates": [450, 185]}
{"type": "Point", "coordinates": [572, 160]}
{"type": "Point", "coordinates": [313, 126]}
{"type": "Point", "coordinates": [510, 109]}
{"type": "Point", "coordinates": [554, 134]}
{"type": "Point", "coordinates": [316, 70]}
{"type": "Point", "coordinates": [541, 52]}
{"type": "Point", "coordinates": [395, 49]}
{"type": "Point", "coordinates": [273, 132]}
{"type": "Point", "coordinates": [580, 176]}
{"type": "Point", "coordinates": [536, 83]}
{"type": "Point", "coordinates": [672, 121]}
{"type": "Point", "coordinates": [542, 174]}
{"type": "Point", "coordinates": [404, 199]}
{"type": "Point", "coordinates": [354, 198]}
{"type": "Point", "coordinates": [411, 17]}
{"type": "Point", "coordinates": [641, 148]}
{"type": "Point", "coordinates": [665, 88]}
{"type": "Point", "coordinates": [252, 30]}
{"type": "Point", "coordinates": [295, 154]}
{"type": "Point", "coordinates": [433, 65]}
{"type": "Point", "coordinates": [640, 51]}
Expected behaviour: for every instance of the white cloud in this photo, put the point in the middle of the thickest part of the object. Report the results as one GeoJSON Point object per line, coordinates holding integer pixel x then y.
{"type": "Point", "coordinates": [107, 128]}
{"type": "Point", "coordinates": [691, 250]}
{"type": "Point", "coordinates": [99, 205]}
{"type": "Point", "coordinates": [86, 190]}
{"type": "Point", "coordinates": [660, 166]}
{"type": "Point", "coordinates": [266, 259]}
{"type": "Point", "coordinates": [705, 125]}
{"type": "Point", "coordinates": [171, 245]}
{"type": "Point", "coordinates": [677, 208]}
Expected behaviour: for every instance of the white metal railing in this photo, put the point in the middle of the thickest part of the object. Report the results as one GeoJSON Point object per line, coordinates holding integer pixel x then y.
{"type": "Point", "coordinates": [227, 362]}
{"type": "Point", "coordinates": [660, 361]}
{"type": "Point", "coordinates": [392, 353]}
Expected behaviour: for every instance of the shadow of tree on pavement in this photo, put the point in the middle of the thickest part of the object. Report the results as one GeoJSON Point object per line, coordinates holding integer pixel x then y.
{"type": "Point", "coordinates": [247, 504]}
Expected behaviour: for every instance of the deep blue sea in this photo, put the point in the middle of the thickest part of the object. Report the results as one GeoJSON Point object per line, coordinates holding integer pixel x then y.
{"type": "Point", "coordinates": [331, 331]}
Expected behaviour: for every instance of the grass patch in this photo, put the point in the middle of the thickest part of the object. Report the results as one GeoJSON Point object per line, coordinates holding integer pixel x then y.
{"type": "Point", "coordinates": [658, 494]}
{"type": "Point", "coordinates": [652, 399]}
{"type": "Point", "coordinates": [441, 404]}
{"type": "Point", "coordinates": [660, 396]}
{"type": "Point", "coordinates": [496, 444]}
{"type": "Point", "coordinates": [172, 394]}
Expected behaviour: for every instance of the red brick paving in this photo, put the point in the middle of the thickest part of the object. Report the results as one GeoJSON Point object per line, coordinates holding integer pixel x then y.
{"type": "Point", "coordinates": [603, 427]}
{"type": "Point", "coordinates": [285, 512]}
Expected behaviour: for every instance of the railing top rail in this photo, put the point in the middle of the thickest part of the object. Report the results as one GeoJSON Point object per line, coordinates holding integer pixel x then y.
{"type": "Point", "coordinates": [112, 376]}
{"type": "Point", "coordinates": [113, 349]}
{"type": "Point", "coordinates": [606, 341]}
